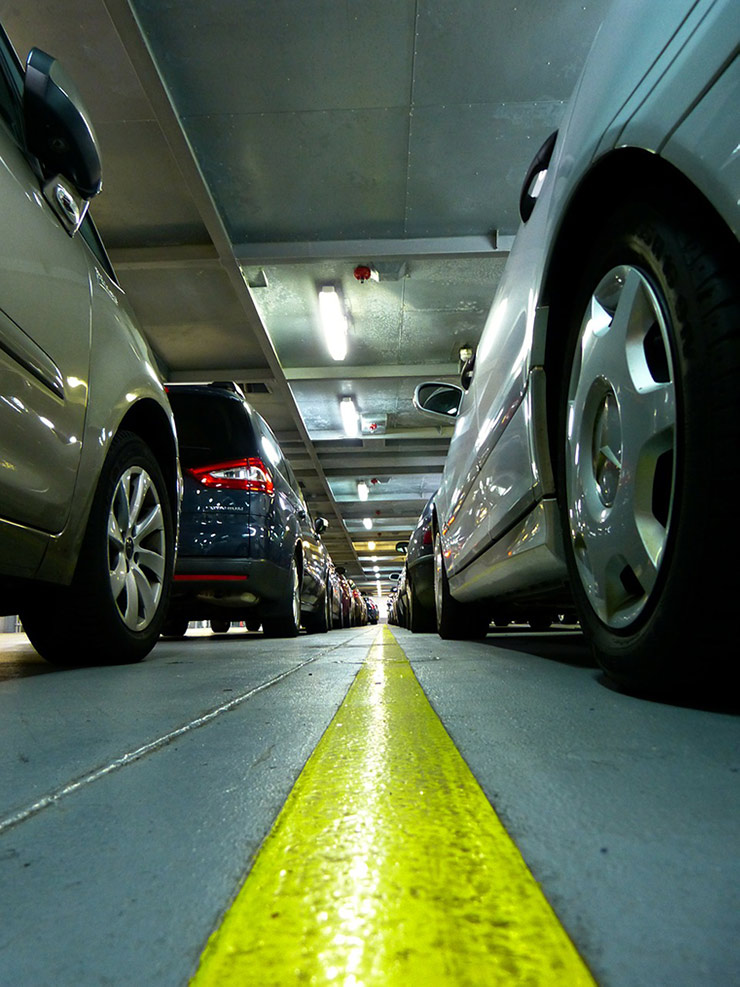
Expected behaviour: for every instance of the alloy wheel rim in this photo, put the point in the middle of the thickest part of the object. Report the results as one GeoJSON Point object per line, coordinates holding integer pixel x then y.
{"type": "Point", "coordinates": [621, 446]}
{"type": "Point", "coordinates": [136, 548]}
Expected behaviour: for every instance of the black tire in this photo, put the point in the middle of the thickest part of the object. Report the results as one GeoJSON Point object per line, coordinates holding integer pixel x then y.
{"type": "Point", "coordinates": [656, 421]}
{"type": "Point", "coordinates": [114, 609]}
{"type": "Point", "coordinates": [220, 626]}
{"type": "Point", "coordinates": [253, 624]}
{"type": "Point", "coordinates": [319, 622]}
{"type": "Point", "coordinates": [288, 622]}
{"type": "Point", "coordinates": [420, 619]}
{"type": "Point", "coordinates": [177, 627]}
{"type": "Point", "coordinates": [455, 621]}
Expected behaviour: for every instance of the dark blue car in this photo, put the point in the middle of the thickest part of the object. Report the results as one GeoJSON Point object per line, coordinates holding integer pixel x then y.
{"type": "Point", "coordinates": [248, 547]}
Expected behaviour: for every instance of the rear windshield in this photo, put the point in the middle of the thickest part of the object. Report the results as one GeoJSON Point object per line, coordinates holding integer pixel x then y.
{"type": "Point", "coordinates": [211, 429]}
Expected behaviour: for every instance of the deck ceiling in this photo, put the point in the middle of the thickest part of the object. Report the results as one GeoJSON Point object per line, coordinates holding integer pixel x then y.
{"type": "Point", "coordinates": [256, 151]}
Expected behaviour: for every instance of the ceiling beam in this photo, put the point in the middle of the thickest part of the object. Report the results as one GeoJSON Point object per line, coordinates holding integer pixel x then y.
{"type": "Point", "coordinates": [491, 245]}
{"type": "Point", "coordinates": [242, 375]}
{"type": "Point", "coordinates": [340, 371]}
{"type": "Point", "coordinates": [426, 432]}
{"type": "Point", "coordinates": [183, 255]}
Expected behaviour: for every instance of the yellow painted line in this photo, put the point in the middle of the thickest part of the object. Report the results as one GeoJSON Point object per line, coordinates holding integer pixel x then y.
{"type": "Point", "coordinates": [388, 866]}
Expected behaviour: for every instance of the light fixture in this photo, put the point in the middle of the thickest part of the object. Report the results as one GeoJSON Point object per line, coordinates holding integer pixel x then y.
{"type": "Point", "coordinates": [363, 490]}
{"type": "Point", "coordinates": [371, 547]}
{"type": "Point", "coordinates": [333, 322]}
{"type": "Point", "coordinates": [368, 522]}
{"type": "Point", "coordinates": [350, 417]}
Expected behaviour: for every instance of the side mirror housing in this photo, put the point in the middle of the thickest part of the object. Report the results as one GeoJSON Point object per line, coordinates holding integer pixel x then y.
{"type": "Point", "coordinates": [402, 547]}
{"type": "Point", "coordinates": [321, 525]}
{"type": "Point", "coordinates": [59, 132]}
{"type": "Point", "coordinates": [438, 400]}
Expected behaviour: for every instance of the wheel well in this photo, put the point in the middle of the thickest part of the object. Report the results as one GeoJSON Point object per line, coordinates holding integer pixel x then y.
{"type": "Point", "coordinates": [148, 420]}
{"type": "Point", "coordinates": [617, 179]}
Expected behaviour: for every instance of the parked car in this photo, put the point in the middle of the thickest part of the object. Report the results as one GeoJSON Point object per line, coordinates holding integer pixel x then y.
{"type": "Point", "coordinates": [88, 454]}
{"type": "Point", "coordinates": [596, 426]}
{"type": "Point", "coordinates": [373, 614]}
{"type": "Point", "coordinates": [358, 610]}
{"type": "Point", "coordinates": [345, 597]}
{"type": "Point", "coordinates": [417, 581]}
{"type": "Point", "coordinates": [394, 616]}
{"type": "Point", "coordinates": [249, 549]}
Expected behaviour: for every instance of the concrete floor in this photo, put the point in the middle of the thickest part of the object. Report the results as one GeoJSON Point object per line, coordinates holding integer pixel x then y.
{"type": "Point", "coordinates": [132, 798]}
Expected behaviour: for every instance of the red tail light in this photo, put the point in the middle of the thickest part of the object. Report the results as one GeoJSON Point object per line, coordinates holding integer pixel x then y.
{"type": "Point", "coordinates": [427, 536]}
{"type": "Point", "coordinates": [241, 474]}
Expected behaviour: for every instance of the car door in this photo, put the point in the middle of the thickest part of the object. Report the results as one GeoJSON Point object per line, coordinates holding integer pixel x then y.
{"type": "Point", "coordinates": [44, 335]}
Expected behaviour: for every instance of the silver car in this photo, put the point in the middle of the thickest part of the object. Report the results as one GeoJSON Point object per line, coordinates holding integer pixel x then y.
{"type": "Point", "coordinates": [89, 481]}
{"type": "Point", "coordinates": [594, 459]}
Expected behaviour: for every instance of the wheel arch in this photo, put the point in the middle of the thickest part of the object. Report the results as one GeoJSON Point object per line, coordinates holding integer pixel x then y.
{"type": "Point", "coordinates": [149, 421]}
{"type": "Point", "coordinates": [616, 179]}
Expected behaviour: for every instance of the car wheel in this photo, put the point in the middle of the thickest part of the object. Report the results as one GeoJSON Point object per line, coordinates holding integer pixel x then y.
{"type": "Point", "coordinates": [287, 624]}
{"type": "Point", "coordinates": [175, 628]}
{"type": "Point", "coordinates": [113, 611]}
{"type": "Point", "coordinates": [319, 622]}
{"type": "Point", "coordinates": [253, 624]}
{"type": "Point", "coordinates": [220, 626]}
{"type": "Point", "coordinates": [455, 621]}
{"type": "Point", "coordinates": [649, 428]}
{"type": "Point", "coordinates": [419, 618]}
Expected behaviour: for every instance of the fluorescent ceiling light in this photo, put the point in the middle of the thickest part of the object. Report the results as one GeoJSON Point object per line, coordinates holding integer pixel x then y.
{"type": "Point", "coordinates": [368, 522]}
{"type": "Point", "coordinates": [363, 490]}
{"type": "Point", "coordinates": [371, 546]}
{"type": "Point", "coordinates": [333, 322]}
{"type": "Point", "coordinates": [350, 417]}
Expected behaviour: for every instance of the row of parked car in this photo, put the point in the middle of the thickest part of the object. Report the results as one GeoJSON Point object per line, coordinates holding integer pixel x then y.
{"type": "Point", "coordinates": [92, 486]}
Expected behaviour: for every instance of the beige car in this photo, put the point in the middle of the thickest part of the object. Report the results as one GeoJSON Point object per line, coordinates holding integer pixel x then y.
{"type": "Point", "coordinates": [89, 481]}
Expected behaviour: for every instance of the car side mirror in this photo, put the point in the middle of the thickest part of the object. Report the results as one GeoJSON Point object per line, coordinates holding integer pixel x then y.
{"type": "Point", "coordinates": [321, 525]}
{"type": "Point", "coordinates": [340, 570]}
{"type": "Point", "coordinates": [466, 374]}
{"type": "Point", "coordinates": [402, 547]}
{"type": "Point", "coordinates": [438, 400]}
{"type": "Point", "coordinates": [59, 132]}
{"type": "Point", "coordinates": [535, 177]}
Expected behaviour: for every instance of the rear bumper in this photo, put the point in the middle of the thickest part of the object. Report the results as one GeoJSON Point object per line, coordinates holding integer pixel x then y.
{"type": "Point", "coordinates": [206, 587]}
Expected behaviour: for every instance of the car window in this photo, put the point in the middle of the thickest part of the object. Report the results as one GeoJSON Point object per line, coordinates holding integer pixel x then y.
{"type": "Point", "coordinates": [275, 456]}
{"type": "Point", "coordinates": [211, 429]}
